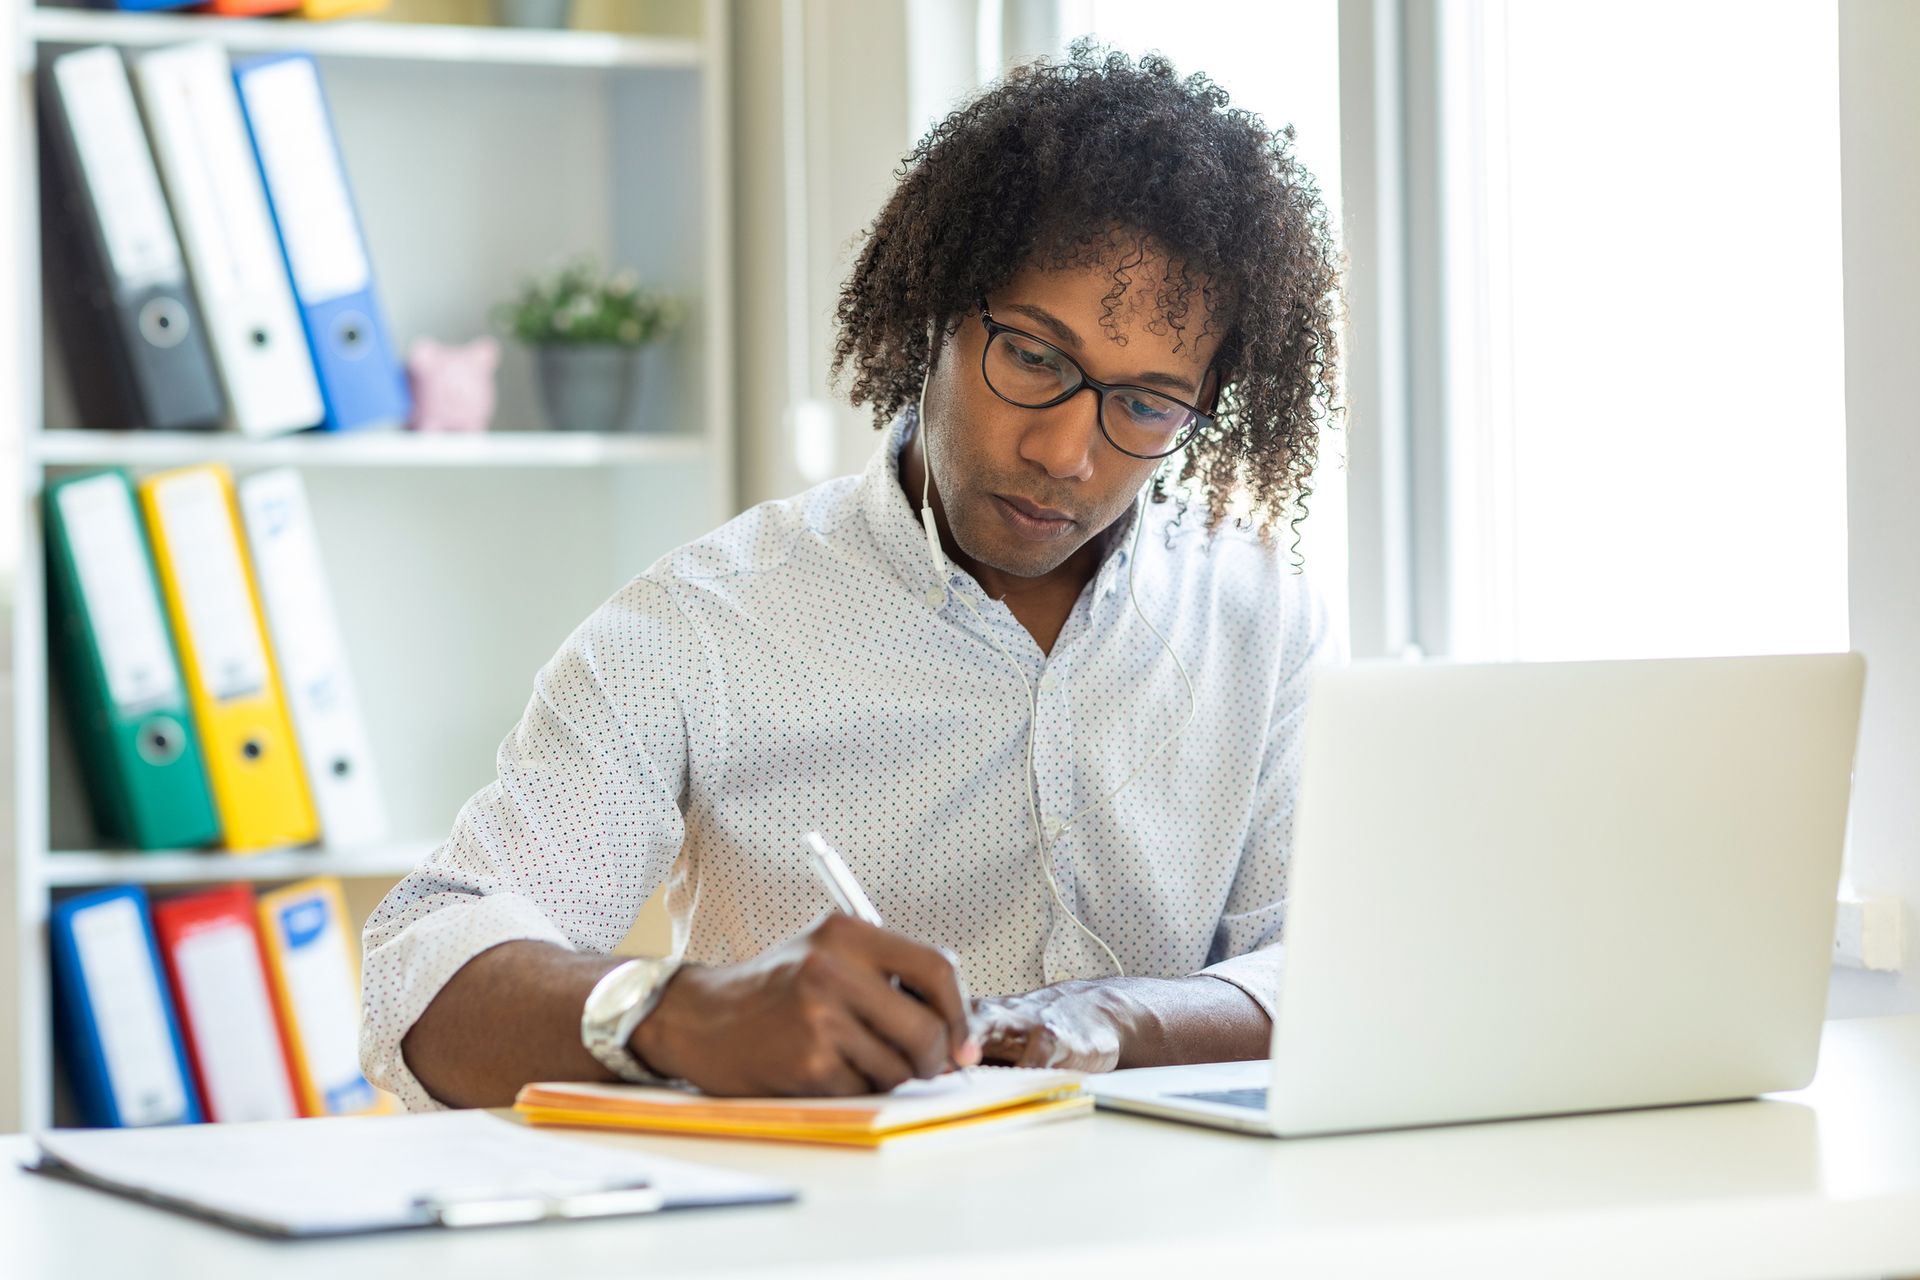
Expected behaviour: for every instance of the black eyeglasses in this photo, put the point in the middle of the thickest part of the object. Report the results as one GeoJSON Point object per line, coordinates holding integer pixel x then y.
{"type": "Point", "coordinates": [1034, 374]}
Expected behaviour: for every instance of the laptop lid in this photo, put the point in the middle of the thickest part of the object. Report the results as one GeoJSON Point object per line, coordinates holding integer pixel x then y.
{"type": "Point", "coordinates": [1533, 888]}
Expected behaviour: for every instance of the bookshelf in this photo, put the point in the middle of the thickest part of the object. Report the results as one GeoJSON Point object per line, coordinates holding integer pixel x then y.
{"type": "Point", "coordinates": [362, 449]}
{"type": "Point", "coordinates": [458, 563]}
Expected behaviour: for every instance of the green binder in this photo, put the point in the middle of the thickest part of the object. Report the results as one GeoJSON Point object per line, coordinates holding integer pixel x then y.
{"type": "Point", "coordinates": [115, 662]}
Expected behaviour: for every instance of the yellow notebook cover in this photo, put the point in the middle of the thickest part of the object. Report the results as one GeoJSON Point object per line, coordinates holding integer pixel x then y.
{"type": "Point", "coordinates": [312, 967]}
{"type": "Point", "coordinates": [233, 684]}
{"type": "Point", "coordinates": [920, 1108]}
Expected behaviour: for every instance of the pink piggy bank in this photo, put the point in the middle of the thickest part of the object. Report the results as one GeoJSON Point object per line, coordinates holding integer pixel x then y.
{"type": "Point", "coordinates": [452, 384]}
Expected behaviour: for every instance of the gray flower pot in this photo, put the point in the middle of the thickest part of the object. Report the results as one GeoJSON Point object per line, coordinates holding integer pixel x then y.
{"type": "Point", "coordinates": [531, 13]}
{"type": "Point", "coordinates": [588, 386]}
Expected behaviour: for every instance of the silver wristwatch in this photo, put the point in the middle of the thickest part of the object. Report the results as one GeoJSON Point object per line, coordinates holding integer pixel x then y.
{"type": "Point", "coordinates": [615, 1007]}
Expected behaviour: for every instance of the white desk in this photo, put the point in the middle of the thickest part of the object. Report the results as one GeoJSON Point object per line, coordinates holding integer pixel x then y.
{"type": "Point", "coordinates": [1825, 1182]}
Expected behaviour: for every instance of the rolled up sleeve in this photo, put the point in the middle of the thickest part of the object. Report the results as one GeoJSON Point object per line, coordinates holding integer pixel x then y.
{"type": "Point", "coordinates": [581, 825]}
{"type": "Point", "coordinates": [1247, 949]}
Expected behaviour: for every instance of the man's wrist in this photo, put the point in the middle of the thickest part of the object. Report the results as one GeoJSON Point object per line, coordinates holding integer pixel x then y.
{"type": "Point", "coordinates": [653, 1042]}
{"type": "Point", "coordinates": [1141, 1032]}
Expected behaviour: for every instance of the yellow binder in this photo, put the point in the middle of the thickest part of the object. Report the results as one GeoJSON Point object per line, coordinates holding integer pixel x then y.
{"type": "Point", "coordinates": [324, 9]}
{"type": "Point", "coordinates": [310, 958]}
{"type": "Point", "coordinates": [233, 686]}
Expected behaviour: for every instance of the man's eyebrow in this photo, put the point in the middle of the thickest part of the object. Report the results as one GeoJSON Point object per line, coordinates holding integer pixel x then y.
{"type": "Point", "coordinates": [1071, 340]}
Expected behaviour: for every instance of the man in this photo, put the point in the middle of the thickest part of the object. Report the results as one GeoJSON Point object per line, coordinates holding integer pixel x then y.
{"type": "Point", "coordinates": [1093, 267]}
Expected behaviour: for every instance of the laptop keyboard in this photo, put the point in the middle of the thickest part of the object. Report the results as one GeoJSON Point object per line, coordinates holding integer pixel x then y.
{"type": "Point", "coordinates": [1255, 1099]}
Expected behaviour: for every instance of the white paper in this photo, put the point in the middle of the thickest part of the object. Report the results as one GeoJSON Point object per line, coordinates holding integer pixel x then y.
{"type": "Point", "coordinates": [317, 965]}
{"type": "Point", "coordinates": [122, 183]}
{"type": "Point", "coordinates": [356, 1173]}
{"type": "Point", "coordinates": [124, 989]}
{"type": "Point", "coordinates": [305, 180]}
{"type": "Point", "coordinates": [228, 650]}
{"type": "Point", "coordinates": [234, 1033]}
{"type": "Point", "coordinates": [916, 1102]}
{"type": "Point", "coordinates": [117, 592]}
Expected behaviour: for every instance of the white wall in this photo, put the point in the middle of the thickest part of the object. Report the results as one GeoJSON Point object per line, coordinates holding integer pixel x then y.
{"type": "Point", "coordinates": [15, 301]}
{"type": "Point", "coordinates": [1880, 212]}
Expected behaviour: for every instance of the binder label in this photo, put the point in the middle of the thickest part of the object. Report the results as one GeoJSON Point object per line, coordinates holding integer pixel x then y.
{"type": "Point", "coordinates": [215, 188]}
{"type": "Point", "coordinates": [304, 175]}
{"type": "Point", "coordinates": [290, 582]}
{"type": "Point", "coordinates": [234, 1029]}
{"type": "Point", "coordinates": [128, 1011]}
{"type": "Point", "coordinates": [319, 975]}
{"type": "Point", "coordinates": [227, 645]}
{"type": "Point", "coordinates": [116, 588]}
{"type": "Point", "coordinates": [119, 169]}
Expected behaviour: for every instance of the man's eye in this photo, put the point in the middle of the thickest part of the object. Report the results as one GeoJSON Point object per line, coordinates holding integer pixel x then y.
{"type": "Point", "coordinates": [1145, 411]}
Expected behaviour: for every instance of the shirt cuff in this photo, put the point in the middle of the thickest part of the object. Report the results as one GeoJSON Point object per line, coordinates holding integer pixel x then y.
{"type": "Point", "coordinates": [404, 974]}
{"type": "Point", "coordinates": [1257, 973]}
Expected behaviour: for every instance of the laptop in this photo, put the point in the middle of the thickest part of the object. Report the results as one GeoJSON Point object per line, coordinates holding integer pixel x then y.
{"type": "Point", "coordinates": [1532, 889]}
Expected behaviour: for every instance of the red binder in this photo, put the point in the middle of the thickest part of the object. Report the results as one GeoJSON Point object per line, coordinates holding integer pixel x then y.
{"type": "Point", "coordinates": [210, 945]}
{"type": "Point", "coordinates": [246, 8]}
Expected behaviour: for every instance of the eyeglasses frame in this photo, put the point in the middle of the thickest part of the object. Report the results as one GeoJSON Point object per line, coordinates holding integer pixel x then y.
{"type": "Point", "coordinates": [1101, 390]}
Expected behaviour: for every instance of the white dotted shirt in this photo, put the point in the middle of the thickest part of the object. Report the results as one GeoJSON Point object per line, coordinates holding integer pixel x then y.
{"type": "Point", "coordinates": [804, 667]}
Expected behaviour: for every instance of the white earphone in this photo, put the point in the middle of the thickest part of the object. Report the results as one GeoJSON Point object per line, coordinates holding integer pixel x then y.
{"type": "Point", "coordinates": [945, 571]}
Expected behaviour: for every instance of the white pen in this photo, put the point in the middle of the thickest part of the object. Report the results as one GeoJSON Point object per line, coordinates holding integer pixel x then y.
{"type": "Point", "coordinates": [837, 878]}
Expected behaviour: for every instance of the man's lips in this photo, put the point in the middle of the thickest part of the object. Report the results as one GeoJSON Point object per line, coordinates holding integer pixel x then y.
{"type": "Point", "coordinates": [1034, 511]}
{"type": "Point", "coordinates": [1030, 521]}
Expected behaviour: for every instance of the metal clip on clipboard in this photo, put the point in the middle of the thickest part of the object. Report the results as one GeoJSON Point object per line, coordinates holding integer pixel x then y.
{"type": "Point", "coordinates": [484, 1207]}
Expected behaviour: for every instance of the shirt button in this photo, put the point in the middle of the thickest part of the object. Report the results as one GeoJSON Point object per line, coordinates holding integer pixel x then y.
{"type": "Point", "coordinates": [936, 596]}
{"type": "Point", "coordinates": [1048, 684]}
{"type": "Point", "coordinates": [1053, 827]}
{"type": "Point", "coordinates": [1055, 978]}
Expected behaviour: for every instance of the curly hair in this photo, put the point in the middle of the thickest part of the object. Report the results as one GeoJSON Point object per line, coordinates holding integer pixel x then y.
{"type": "Point", "coordinates": [1072, 161]}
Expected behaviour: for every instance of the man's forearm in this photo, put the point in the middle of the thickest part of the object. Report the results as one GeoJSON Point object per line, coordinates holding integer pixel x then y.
{"type": "Point", "coordinates": [1169, 1021]}
{"type": "Point", "coordinates": [509, 1016]}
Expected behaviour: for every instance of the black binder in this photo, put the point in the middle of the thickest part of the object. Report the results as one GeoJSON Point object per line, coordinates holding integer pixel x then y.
{"type": "Point", "coordinates": [112, 269]}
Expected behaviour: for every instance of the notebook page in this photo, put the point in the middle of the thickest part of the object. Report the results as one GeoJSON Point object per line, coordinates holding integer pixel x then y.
{"type": "Point", "coordinates": [956, 1093]}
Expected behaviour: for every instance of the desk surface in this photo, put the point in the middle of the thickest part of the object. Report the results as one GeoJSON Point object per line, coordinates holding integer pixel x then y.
{"type": "Point", "coordinates": [1821, 1182]}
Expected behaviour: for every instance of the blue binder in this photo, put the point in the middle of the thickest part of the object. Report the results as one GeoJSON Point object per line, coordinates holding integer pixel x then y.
{"type": "Point", "coordinates": [361, 381]}
{"type": "Point", "coordinates": [119, 1035]}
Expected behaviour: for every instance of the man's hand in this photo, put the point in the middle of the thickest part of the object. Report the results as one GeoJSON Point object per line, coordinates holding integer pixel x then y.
{"type": "Point", "coordinates": [1078, 1026]}
{"type": "Point", "coordinates": [1104, 1023]}
{"type": "Point", "coordinates": [816, 1015]}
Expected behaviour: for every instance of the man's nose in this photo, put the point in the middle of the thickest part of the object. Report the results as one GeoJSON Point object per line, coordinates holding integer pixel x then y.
{"type": "Point", "coordinates": [1063, 439]}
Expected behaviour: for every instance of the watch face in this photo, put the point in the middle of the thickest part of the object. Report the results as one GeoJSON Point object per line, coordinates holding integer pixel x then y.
{"type": "Point", "coordinates": [619, 994]}
{"type": "Point", "coordinates": [614, 1007]}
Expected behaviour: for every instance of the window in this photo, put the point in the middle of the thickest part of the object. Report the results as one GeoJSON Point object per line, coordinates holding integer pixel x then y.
{"type": "Point", "coordinates": [1641, 339]}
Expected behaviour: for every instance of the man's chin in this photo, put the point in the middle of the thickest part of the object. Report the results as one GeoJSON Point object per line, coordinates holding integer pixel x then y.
{"type": "Point", "coordinates": [1021, 560]}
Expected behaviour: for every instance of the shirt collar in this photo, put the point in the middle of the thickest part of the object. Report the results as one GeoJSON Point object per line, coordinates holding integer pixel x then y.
{"type": "Point", "coordinates": [902, 539]}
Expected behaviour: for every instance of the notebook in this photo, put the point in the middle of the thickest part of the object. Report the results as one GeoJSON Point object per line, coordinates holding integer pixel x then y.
{"type": "Point", "coordinates": [350, 1174]}
{"type": "Point", "coordinates": [960, 1101]}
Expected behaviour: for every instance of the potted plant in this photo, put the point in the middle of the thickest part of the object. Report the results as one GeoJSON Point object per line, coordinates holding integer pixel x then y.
{"type": "Point", "coordinates": [587, 330]}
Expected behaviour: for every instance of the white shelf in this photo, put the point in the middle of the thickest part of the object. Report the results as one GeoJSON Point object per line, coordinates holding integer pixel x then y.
{"type": "Point", "coordinates": [456, 562]}
{"type": "Point", "coordinates": [73, 869]}
{"type": "Point", "coordinates": [406, 42]}
{"type": "Point", "coordinates": [521, 449]}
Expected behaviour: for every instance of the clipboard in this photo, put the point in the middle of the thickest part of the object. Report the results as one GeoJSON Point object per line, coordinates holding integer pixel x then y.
{"type": "Point", "coordinates": [354, 1175]}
